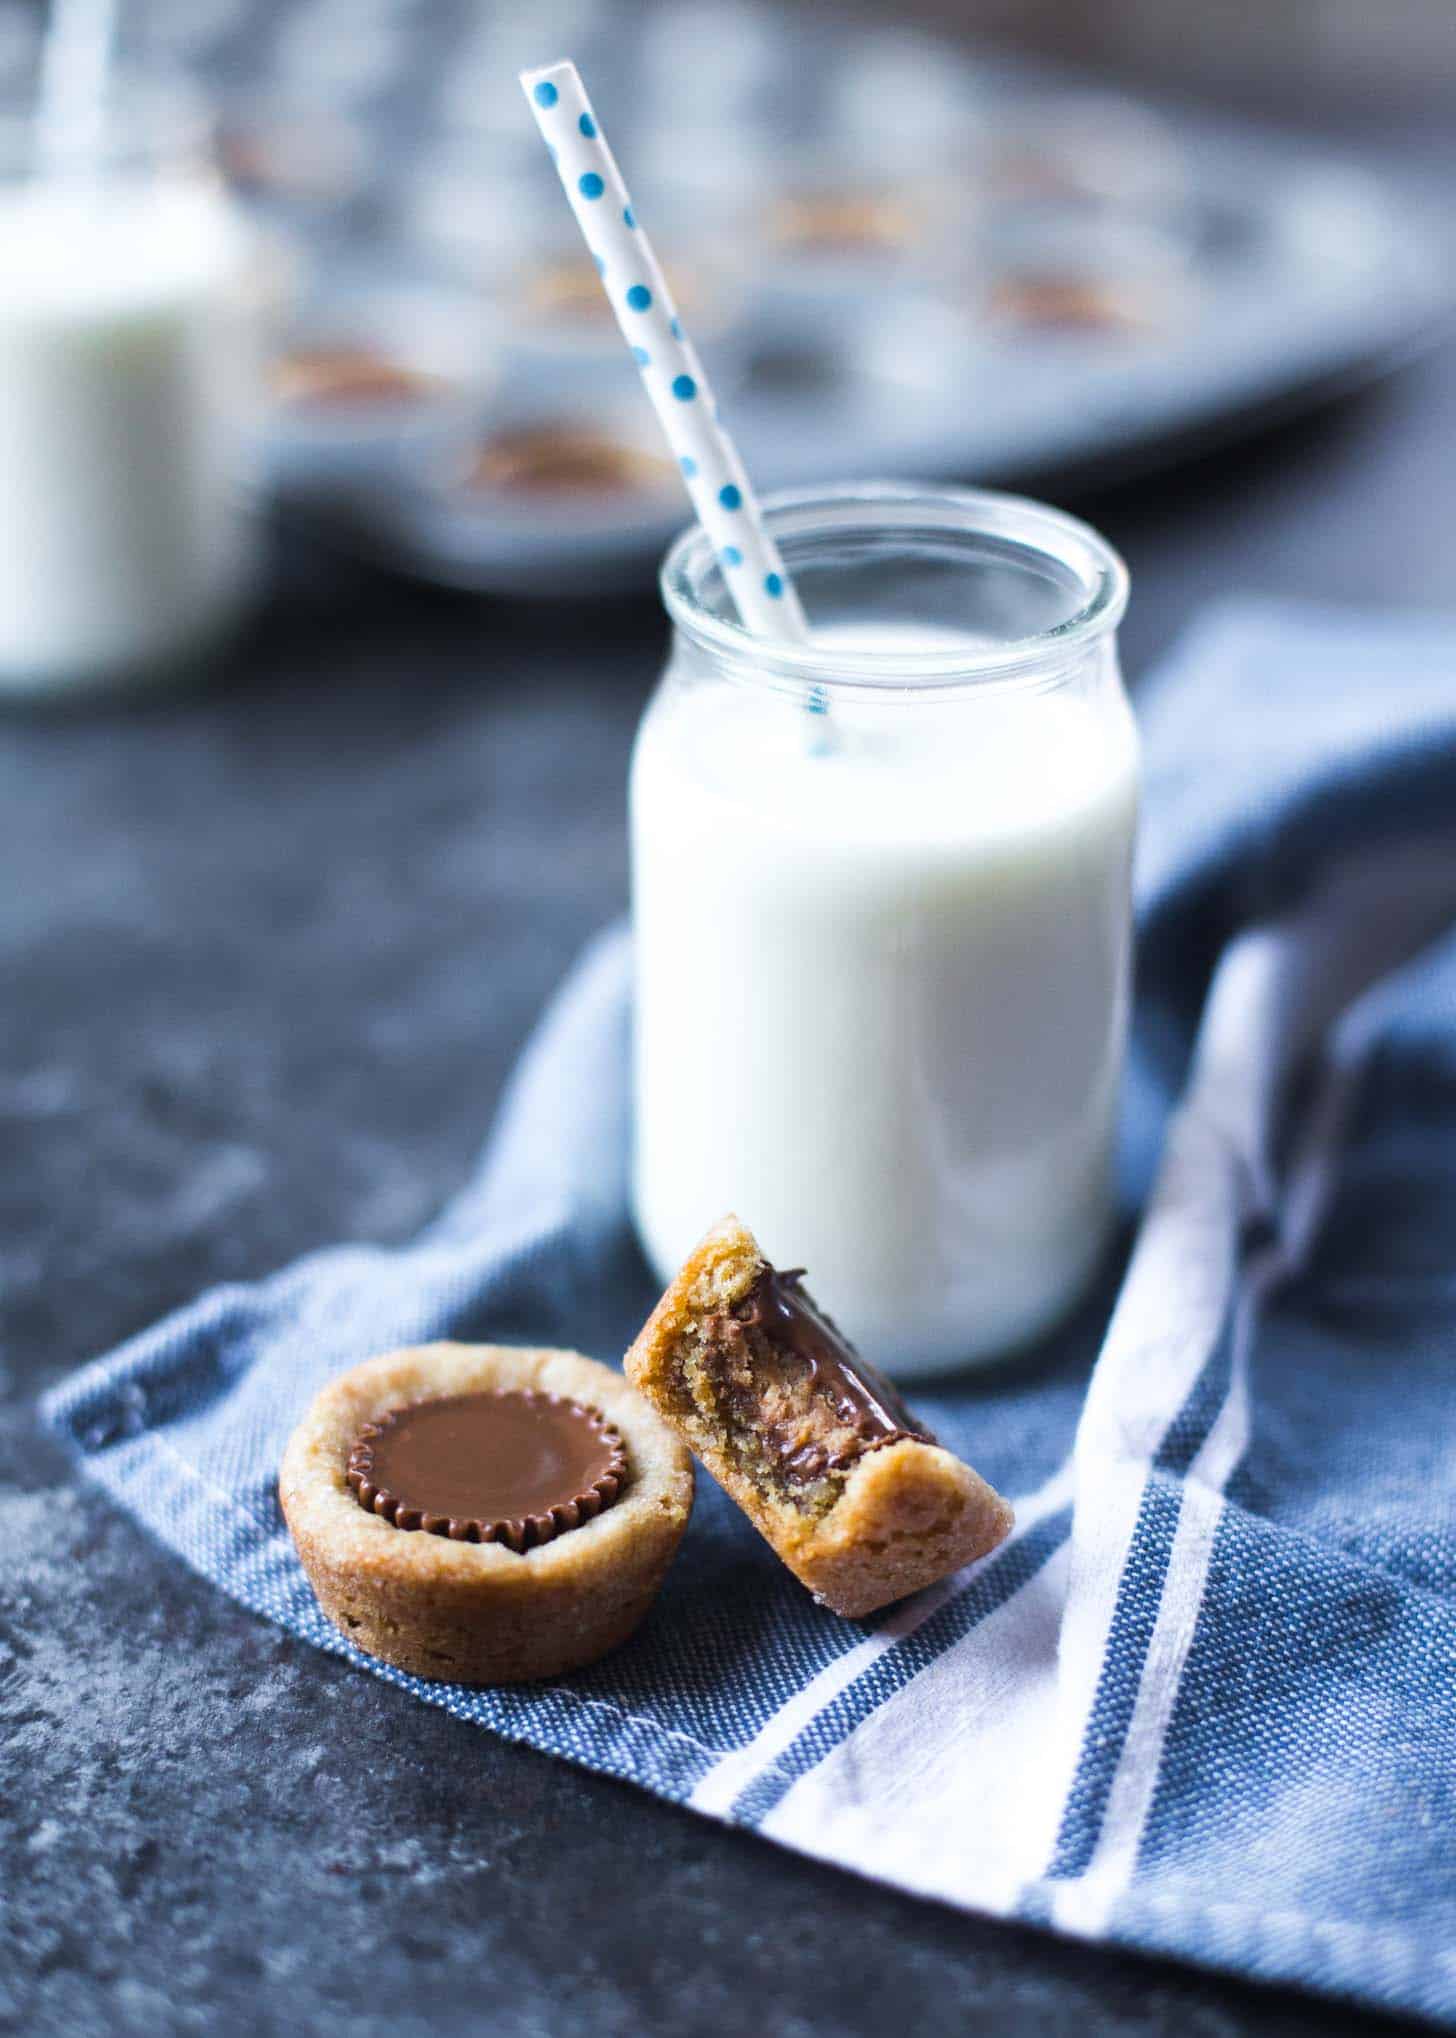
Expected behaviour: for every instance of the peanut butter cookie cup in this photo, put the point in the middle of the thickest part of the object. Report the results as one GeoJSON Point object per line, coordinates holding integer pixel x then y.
{"type": "Point", "coordinates": [816, 1447]}
{"type": "Point", "coordinates": [484, 1514]}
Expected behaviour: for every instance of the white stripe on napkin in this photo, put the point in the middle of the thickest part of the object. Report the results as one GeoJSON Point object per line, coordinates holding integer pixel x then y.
{"type": "Point", "coordinates": [1174, 1306]}
{"type": "Point", "coordinates": [1276, 988]}
{"type": "Point", "coordinates": [946, 1789]}
{"type": "Point", "coordinates": [722, 1785]}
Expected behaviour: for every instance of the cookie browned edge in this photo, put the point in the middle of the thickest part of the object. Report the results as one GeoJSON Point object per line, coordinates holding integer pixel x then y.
{"type": "Point", "coordinates": [481, 1613]}
{"type": "Point", "coordinates": [910, 1512]}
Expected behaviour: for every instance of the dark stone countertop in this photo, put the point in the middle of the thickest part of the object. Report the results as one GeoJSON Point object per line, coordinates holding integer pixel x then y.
{"type": "Point", "coordinates": [266, 954]}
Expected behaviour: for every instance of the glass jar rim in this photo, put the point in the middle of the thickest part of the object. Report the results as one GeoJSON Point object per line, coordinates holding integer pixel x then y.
{"type": "Point", "coordinates": [1101, 575]}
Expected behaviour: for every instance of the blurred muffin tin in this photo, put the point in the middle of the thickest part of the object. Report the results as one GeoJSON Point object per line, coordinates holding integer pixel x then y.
{"type": "Point", "coordinates": [922, 265]}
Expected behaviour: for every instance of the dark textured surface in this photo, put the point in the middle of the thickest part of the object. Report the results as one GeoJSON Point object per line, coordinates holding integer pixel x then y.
{"type": "Point", "coordinates": [265, 957]}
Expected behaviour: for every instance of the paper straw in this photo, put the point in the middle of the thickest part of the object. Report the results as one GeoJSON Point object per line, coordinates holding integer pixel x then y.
{"type": "Point", "coordinates": [75, 64]}
{"type": "Point", "coordinates": [671, 372]}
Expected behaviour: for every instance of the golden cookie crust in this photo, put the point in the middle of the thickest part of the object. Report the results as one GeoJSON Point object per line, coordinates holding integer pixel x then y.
{"type": "Point", "coordinates": [480, 1613]}
{"type": "Point", "coordinates": [905, 1514]}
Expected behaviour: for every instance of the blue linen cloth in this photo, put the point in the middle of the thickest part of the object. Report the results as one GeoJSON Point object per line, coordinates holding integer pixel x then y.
{"type": "Point", "coordinates": [1204, 1701]}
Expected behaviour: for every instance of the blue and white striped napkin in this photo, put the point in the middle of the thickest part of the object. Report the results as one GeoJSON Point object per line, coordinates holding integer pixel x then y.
{"type": "Point", "coordinates": [1204, 1701]}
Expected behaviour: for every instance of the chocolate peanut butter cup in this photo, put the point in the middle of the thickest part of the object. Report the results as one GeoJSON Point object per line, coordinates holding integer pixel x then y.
{"type": "Point", "coordinates": [506, 1466]}
{"type": "Point", "coordinates": [817, 1447]}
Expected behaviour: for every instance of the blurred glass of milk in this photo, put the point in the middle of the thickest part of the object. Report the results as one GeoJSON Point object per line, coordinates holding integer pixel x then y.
{"type": "Point", "coordinates": [128, 381]}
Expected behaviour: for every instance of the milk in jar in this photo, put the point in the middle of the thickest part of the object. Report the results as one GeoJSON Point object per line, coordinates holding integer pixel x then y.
{"type": "Point", "coordinates": [128, 386]}
{"type": "Point", "coordinates": [881, 911]}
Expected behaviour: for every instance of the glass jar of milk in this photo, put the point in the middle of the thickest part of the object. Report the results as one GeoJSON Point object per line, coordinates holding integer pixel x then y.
{"type": "Point", "coordinates": [128, 373]}
{"type": "Point", "coordinates": [882, 922]}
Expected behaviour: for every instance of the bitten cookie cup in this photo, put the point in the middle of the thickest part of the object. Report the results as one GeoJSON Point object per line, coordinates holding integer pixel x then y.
{"type": "Point", "coordinates": [481, 1612]}
{"type": "Point", "coordinates": [815, 1446]}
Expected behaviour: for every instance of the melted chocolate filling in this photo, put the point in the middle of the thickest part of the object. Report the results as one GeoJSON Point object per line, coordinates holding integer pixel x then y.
{"type": "Point", "coordinates": [830, 1372]}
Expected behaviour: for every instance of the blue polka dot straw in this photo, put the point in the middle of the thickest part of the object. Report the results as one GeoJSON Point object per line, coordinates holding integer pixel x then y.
{"type": "Point", "coordinates": [671, 372]}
